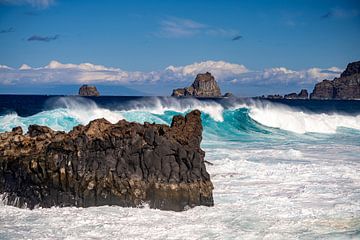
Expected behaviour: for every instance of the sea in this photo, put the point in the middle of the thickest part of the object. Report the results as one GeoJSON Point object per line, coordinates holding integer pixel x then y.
{"type": "Point", "coordinates": [281, 169]}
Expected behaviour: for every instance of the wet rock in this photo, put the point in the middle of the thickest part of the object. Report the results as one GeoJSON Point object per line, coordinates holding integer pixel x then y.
{"type": "Point", "coordinates": [124, 164]}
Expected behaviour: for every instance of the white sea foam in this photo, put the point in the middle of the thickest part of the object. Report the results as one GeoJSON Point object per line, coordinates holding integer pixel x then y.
{"type": "Point", "coordinates": [158, 106]}
{"type": "Point", "coordinates": [257, 196]}
{"type": "Point", "coordinates": [298, 121]}
{"type": "Point", "coordinates": [273, 188]}
{"type": "Point", "coordinates": [84, 110]}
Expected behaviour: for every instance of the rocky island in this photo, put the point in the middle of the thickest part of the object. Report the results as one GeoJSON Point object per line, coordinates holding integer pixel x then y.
{"type": "Point", "coordinates": [87, 90]}
{"type": "Point", "coordinates": [347, 86]}
{"type": "Point", "coordinates": [204, 85]}
{"type": "Point", "coordinates": [125, 164]}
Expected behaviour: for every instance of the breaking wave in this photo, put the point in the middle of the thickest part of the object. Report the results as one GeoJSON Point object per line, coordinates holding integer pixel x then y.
{"type": "Point", "coordinates": [219, 118]}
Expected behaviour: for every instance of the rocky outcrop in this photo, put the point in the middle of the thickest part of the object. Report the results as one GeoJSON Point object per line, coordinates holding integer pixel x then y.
{"type": "Point", "coordinates": [203, 86]}
{"type": "Point", "coordinates": [303, 94]}
{"type": "Point", "coordinates": [87, 90]}
{"type": "Point", "coordinates": [276, 96]}
{"type": "Point", "coordinates": [345, 87]}
{"type": "Point", "coordinates": [124, 164]}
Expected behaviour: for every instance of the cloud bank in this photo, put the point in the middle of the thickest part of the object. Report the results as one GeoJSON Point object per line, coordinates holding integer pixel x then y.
{"type": "Point", "coordinates": [60, 73]}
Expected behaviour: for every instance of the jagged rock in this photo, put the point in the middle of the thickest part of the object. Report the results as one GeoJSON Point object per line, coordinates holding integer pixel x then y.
{"type": "Point", "coordinates": [352, 68]}
{"type": "Point", "coordinates": [323, 90]}
{"type": "Point", "coordinates": [303, 94]}
{"type": "Point", "coordinates": [203, 86]}
{"type": "Point", "coordinates": [124, 164]}
{"type": "Point", "coordinates": [87, 90]}
{"type": "Point", "coordinates": [229, 95]}
{"type": "Point", "coordinates": [345, 87]}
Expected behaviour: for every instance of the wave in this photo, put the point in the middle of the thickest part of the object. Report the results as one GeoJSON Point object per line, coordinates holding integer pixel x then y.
{"type": "Point", "coordinates": [229, 119]}
{"type": "Point", "coordinates": [299, 121]}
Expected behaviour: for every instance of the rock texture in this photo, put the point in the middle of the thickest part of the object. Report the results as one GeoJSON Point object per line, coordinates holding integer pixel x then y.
{"type": "Point", "coordinates": [345, 87]}
{"type": "Point", "coordinates": [203, 86]}
{"type": "Point", "coordinates": [124, 164]}
{"type": "Point", "coordinates": [303, 94]}
{"type": "Point", "coordinates": [87, 90]}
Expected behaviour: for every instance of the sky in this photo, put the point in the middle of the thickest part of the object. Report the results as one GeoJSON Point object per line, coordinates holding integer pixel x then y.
{"type": "Point", "coordinates": [144, 47]}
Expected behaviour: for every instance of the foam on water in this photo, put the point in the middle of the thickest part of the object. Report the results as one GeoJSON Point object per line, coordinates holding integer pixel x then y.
{"type": "Point", "coordinates": [298, 121]}
{"type": "Point", "coordinates": [269, 181]}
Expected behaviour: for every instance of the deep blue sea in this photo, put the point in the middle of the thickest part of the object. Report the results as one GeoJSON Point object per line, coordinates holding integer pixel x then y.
{"type": "Point", "coordinates": [282, 169]}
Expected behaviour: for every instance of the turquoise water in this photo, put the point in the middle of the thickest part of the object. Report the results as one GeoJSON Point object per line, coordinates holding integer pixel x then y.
{"type": "Point", "coordinates": [280, 172]}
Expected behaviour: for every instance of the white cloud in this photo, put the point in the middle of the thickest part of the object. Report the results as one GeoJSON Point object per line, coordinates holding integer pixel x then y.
{"type": "Point", "coordinates": [220, 69]}
{"type": "Point", "coordinates": [33, 3]}
{"type": "Point", "coordinates": [61, 73]}
{"type": "Point", "coordinates": [5, 67]}
{"type": "Point", "coordinates": [24, 67]}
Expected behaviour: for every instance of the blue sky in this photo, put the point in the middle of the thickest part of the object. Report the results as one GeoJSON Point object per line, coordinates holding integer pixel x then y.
{"type": "Point", "coordinates": [252, 47]}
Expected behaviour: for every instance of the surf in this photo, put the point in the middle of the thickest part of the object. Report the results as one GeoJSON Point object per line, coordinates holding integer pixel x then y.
{"type": "Point", "coordinates": [220, 118]}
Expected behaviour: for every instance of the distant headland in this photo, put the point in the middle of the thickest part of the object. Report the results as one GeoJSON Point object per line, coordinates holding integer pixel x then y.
{"type": "Point", "coordinates": [346, 87]}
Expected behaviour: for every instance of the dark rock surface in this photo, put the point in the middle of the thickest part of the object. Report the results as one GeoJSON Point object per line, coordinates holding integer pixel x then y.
{"type": "Point", "coordinates": [276, 96]}
{"type": "Point", "coordinates": [352, 68]}
{"type": "Point", "coordinates": [229, 95]}
{"type": "Point", "coordinates": [87, 90]}
{"type": "Point", "coordinates": [303, 94]}
{"type": "Point", "coordinates": [101, 163]}
{"type": "Point", "coordinates": [203, 86]}
{"type": "Point", "coordinates": [345, 87]}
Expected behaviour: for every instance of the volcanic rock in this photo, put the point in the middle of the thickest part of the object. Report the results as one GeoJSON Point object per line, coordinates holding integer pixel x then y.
{"type": "Point", "coordinates": [303, 94]}
{"type": "Point", "coordinates": [203, 86]}
{"type": "Point", "coordinates": [124, 164]}
{"type": "Point", "coordinates": [345, 87]}
{"type": "Point", "coordinates": [87, 90]}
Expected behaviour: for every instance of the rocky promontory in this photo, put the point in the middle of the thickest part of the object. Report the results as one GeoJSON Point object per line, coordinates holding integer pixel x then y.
{"type": "Point", "coordinates": [203, 86]}
{"type": "Point", "coordinates": [87, 90]}
{"type": "Point", "coordinates": [347, 86]}
{"type": "Point", "coordinates": [124, 164]}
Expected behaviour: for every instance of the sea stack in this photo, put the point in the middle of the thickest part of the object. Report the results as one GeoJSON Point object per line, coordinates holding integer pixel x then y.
{"type": "Point", "coordinates": [347, 86]}
{"type": "Point", "coordinates": [203, 86]}
{"type": "Point", "coordinates": [88, 90]}
{"type": "Point", "coordinates": [303, 94]}
{"type": "Point", "coordinates": [125, 164]}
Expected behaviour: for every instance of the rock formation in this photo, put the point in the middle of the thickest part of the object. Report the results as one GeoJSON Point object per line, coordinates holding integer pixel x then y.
{"type": "Point", "coordinates": [345, 87]}
{"type": "Point", "coordinates": [203, 86]}
{"type": "Point", "coordinates": [124, 164]}
{"type": "Point", "coordinates": [87, 90]}
{"type": "Point", "coordinates": [276, 96]}
{"type": "Point", "coordinates": [229, 95]}
{"type": "Point", "coordinates": [303, 94]}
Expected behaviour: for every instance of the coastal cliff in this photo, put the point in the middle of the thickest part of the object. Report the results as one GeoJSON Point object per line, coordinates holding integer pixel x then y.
{"type": "Point", "coordinates": [203, 86]}
{"type": "Point", "coordinates": [87, 90]}
{"type": "Point", "coordinates": [124, 164]}
{"type": "Point", "coordinates": [347, 86]}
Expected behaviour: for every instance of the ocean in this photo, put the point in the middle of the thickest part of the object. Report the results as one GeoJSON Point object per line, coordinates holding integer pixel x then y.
{"type": "Point", "coordinates": [281, 169]}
